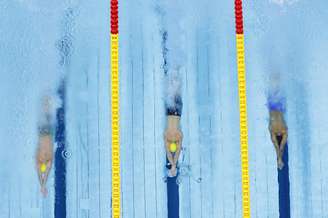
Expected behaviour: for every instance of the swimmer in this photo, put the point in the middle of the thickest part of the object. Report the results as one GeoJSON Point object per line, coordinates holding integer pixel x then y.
{"type": "Point", "coordinates": [173, 136]}
{"type": "Point", "coordinates": [279, 133]}
{"type": "Point", "coordinates": [44, 154]}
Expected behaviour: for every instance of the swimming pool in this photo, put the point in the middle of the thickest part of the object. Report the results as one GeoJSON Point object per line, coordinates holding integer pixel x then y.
{"type": "Point", "coordinates": [44, 43]}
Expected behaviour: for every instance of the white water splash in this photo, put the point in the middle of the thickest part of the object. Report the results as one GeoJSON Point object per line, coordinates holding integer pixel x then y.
{"type": "Point", "coordinates": [173, 88]}
{"type": "Point", "coordinates": [46, 6]}
{"type": "Point", "coordinates": [173, 20]}
{"type": "Point", "coordinates": [172, 16]}
{"type": "Point", "coordinates": [49, 104]}
{"type": "Point", "coordinates": [284, 2]}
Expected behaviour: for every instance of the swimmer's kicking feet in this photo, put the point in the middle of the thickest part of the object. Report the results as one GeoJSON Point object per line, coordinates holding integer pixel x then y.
{"type": "Point", "coordinates": [44, 154]}
{"type": "Point", "coordinates": [279, 133]}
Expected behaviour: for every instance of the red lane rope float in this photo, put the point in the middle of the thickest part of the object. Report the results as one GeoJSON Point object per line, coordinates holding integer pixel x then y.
{"type": "Point", "coordinates": [242, 108]}
{"type": "Point", "coordinates": [115, 110]}
{"type": "Point", "coordinates": [114, 16]}
{"type": "Point", "coordinates": [239, 17]}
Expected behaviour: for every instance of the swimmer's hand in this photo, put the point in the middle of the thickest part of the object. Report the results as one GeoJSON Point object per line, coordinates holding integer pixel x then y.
{"type": "Point", "coordinates": [173, 170]}
{"type": "Point", "coordinates": [44, 191]}
{"type": "Point", "coordinates": [43, 172]}
{"type": "Point", "coordinates": [280, 164]}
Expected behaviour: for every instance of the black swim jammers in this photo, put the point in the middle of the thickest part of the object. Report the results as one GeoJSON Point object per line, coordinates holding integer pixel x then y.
{"type": "Point", "coordinates": [46, 129]}
{"type": "Point", "coordinates": [177, 109]}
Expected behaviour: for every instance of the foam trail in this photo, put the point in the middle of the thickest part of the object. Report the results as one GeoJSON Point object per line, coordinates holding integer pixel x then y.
{"type": "Point", "coordinates": [173, 84]}
{"type": "Point", "coordinates": [283, 2]}
{"type": "Point", "coordinates": [172, 18]}
{"type": "Point", "coordinates": [276, 95]}
{"type": "Point", "coordinates": [48, 105]}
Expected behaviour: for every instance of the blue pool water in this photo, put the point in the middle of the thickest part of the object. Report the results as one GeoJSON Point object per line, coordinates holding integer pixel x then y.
{"type": "Point", "coordinates": [44, 42]}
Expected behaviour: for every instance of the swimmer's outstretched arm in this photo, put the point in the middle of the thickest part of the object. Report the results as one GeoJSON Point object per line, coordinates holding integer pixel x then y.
{"type": "Point", "coordinates": [177, 153]}
{"type": "Point", "coordinates": [169, 156]}
{"type": "Point", "coordinates": [43, 177]}
{"type": "Point", "coordinates": [274, 139]}
{"type": "Point", "coordinates": [283, 142]}
{"type": "Point", "coordinates": [275, 143]}
{"type": "Point", "coordinates": [168, 153]}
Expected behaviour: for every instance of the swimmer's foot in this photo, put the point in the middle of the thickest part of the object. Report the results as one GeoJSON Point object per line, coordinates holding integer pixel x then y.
{"type": "Point", "coordinates": [280, 164]}
{"type": "Point", "coordinates": [46, 104]}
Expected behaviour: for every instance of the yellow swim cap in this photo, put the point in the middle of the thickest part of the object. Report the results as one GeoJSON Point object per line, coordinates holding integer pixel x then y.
{"type": "Point", "coordinates": [173, 147]}
{"type": "Point", "coordinates": [43, 167]}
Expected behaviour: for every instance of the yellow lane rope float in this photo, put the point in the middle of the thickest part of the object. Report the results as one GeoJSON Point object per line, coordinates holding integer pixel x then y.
{"type": "Point", "coordinates": [242, 108]}
{"type": "Point", "coordinates": [115, 104]}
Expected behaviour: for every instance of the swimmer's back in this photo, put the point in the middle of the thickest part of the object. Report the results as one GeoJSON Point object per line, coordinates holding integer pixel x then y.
{"type": "Point", "coordinates": [277, 123]}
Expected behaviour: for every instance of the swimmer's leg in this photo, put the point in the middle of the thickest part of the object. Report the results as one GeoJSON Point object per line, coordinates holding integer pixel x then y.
{"type": "Point", "coordinates": [46, 121]}
{"type": "Point", "coordinates": [46, 124]}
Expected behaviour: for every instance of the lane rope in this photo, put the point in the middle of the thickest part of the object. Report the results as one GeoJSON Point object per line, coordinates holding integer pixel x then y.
{"type": "Point", "coordinates": [115, 111]}
{"type": "Point", "coordinates": [242, 108]}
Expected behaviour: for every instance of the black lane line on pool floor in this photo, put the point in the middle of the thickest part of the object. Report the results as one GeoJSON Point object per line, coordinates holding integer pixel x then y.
{"type": "Point", "coordinates": [60, 162]}
{"type": "Point", "coordinates": [172, 196]}
{"type": "Point", "coordinates": [283, 180]}
{"type": "Point", "coordinates": [65, 48]}
{"type": "Point", "coordinates": [171, 182]}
